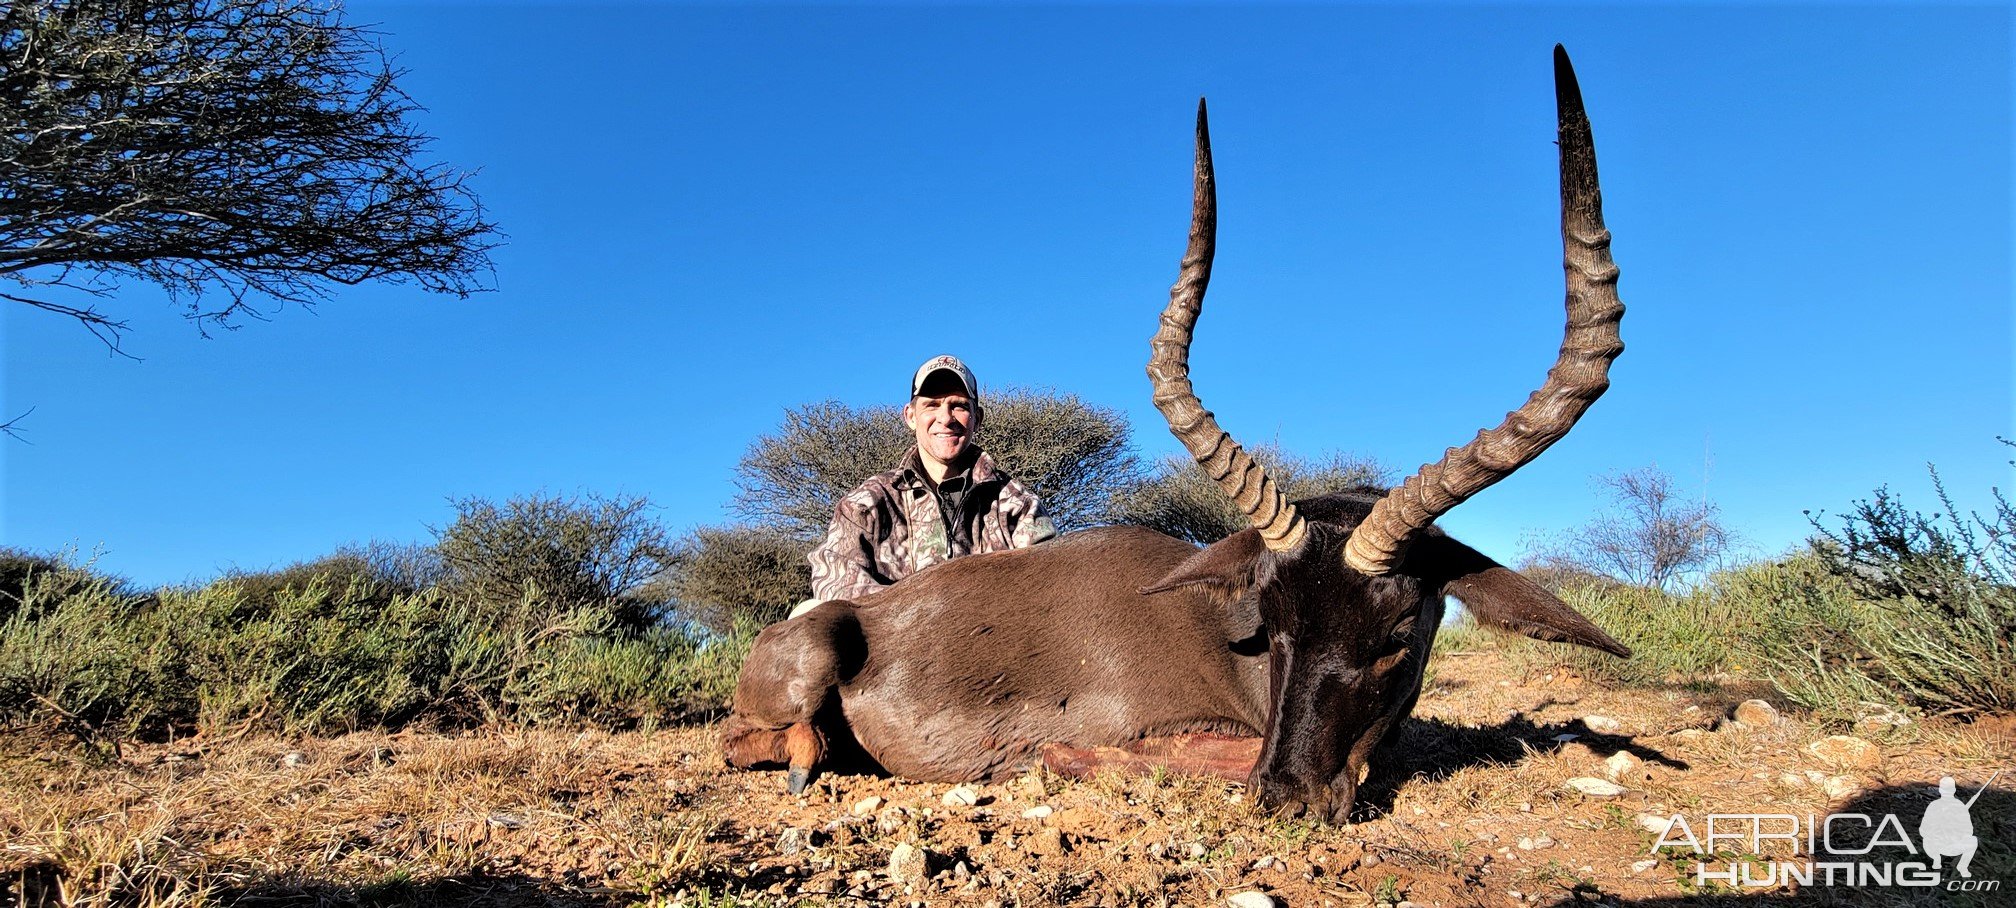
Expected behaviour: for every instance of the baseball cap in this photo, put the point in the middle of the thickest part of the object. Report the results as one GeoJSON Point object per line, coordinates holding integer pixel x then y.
{"type": "Point", "coordinates": [945, 364]}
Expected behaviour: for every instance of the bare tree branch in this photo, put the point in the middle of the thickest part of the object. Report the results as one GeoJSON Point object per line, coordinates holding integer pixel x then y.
{"type": "Point", "coordinates": [100, 325]}
{"type": "Point", "coordinates": [12, 427]}
{"type": "Point", "coordinates": [257, 149]}
{"type": "Point", "coordinates": [1649, 536]}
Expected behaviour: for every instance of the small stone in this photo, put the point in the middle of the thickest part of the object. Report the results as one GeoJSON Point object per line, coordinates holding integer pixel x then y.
{"type": "Point", "coordinates": [1642, 866]}
{"type": "Point", "coordinates": [1838, 787]}
{"type": "Point", "coordinates": [1038, 812]}
{"type": "Point", "coordinates": [1266, 862]}
{"type": "Point", "coordinates": [909, 864]}
{"type": "Point", "coordinates": [1194, 851]}
{"type": "Point", "coordinates": [1251, 900]}
{"type": "Point", "coordinates": [1653, 823]}
{"type": "Point", "coordinates": [1842, 750]}
{"type": "Point", "coordinates": [1885, 722]}
{"type": "Point", "coordinates": [1621, 763]}
{"type": "Point", "coordinates": [1689, 734]}
{"type": "Point", "coordinates": [1596, 788]}
{"type": "Point", "coordinates": [294, 758]}
{"type": "Point", "coordinates": [506, 821]}
{"type": "Point", "coordinates": [793, 840]}
{"type": "Point", "coordinates": [1529, 844]}
{"type": "Point", "coordinates": [1756, 714]}
{"type": "Point", "coordinates": [1602, 725]}
{"type": "Point", "coordinates": [961, 872]}
{"type": "Point", "coordinates": [866, 806]}
{"type": "Point", "coordinates": [1793, 780]}
{"type": "Point", "coordinates": [961, 796]}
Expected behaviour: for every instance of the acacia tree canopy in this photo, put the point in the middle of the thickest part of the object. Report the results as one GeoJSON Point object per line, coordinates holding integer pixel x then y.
{"type": "Point", "coordinates": [1181, 500]}
{"type": "Point", "coordinates": [253, 150]}
{"type": "Point", "coordinates": [1072, 454]}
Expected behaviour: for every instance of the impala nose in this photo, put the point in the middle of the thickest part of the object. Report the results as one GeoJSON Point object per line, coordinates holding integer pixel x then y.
{"type": "Point", "coordinates": [1291, 798]}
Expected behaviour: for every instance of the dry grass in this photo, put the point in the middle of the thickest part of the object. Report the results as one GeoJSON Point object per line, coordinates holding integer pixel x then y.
{"type": "Point", "coordinates": [1473, 809]}
{"type": "Point", "coordinates": [184, 824]}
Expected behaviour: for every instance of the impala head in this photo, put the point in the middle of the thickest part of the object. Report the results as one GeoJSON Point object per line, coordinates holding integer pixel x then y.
{"type": "Point", "coordinates": [1348, 587]}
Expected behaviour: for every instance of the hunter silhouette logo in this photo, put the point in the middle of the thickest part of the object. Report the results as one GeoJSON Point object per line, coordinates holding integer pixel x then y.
{"type": "Point", "coordinates": [1948, 830]}
{"type": "Point", "coordinates": [1839, 849]}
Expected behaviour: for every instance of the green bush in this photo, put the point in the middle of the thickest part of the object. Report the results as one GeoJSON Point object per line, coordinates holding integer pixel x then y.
{"type": "Point", "coordinates": [1890, 611]}
{"type": "Point", "coordinates": [85, 657]}
{"type": "Point", "coordinates": [317, 657]}
{"type": "Point", "coordinates": [721, 575]}
{"type": "Point", "coordinates": [49, 576]}
{"type": "Point", "coordinates": [1916, 613]}
{"type": "Point", "coordinates": [553, 554]}
{"type": "Point", "coordinates": [1674, 638]}
{"type": "Point", "coordinates": [337, 652]}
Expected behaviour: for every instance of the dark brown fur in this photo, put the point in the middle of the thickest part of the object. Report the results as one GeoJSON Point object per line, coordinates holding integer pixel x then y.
{"type": "Point", "coordinates": [1108, 636]}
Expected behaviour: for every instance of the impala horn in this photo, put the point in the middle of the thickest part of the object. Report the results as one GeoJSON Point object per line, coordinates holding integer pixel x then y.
{"type": "Point", "coordinates": [1580, 373]}
{"type": "Point", "coordinates": [1228, 464]}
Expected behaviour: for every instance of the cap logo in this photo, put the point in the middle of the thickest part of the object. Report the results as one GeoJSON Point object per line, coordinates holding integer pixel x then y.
{"type": "Point", "coordinates": [947, 363]}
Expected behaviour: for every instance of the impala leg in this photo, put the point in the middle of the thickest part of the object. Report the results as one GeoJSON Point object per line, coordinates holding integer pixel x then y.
{"type": "Point", "coordinates": [788, 682]}
{"type": "Point", "coordinates": [805, 749]}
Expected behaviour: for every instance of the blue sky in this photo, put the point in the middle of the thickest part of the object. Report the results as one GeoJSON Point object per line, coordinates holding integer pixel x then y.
{"type": "Point", "coordinates": [714, 213]}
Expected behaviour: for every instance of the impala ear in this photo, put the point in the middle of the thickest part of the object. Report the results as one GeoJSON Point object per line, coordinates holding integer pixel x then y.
{"type": "Point", "coordinates": [1225, 569]}
{"type": "Point", "coordinates": [1502, 598]}
{"type": "Point", "coordinates": [1226, 564]}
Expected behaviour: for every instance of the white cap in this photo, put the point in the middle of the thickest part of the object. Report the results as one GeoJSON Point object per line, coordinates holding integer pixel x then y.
{"type": "Point", "coordinates": [945, 363]}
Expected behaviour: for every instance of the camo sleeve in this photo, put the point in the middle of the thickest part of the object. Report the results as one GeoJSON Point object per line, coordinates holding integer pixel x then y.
{"type": "Point", "coordinates": [845, 565]}
{"type": "Point", "coordinates": [1032, 527]}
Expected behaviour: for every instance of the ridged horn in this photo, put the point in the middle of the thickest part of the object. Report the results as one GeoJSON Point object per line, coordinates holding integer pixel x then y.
{"type": "Point", "coordinates": [1228, 464]}
{"type": "Point", "coordinates": [1580, 373]}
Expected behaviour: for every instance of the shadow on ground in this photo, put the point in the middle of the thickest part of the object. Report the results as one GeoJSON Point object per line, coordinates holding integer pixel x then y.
{"type": "Point", "coordinates": [1433, 750]}
{"type": "Point", "coordinates": [41, 887]}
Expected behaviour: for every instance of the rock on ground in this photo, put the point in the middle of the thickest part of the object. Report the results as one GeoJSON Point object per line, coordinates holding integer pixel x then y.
{"type": "Point", "coordinates": [909, 864]}
{"type": "Point", "coordinates": [1756, 714]}
{"type": "Point", "coordinates": [1596, 788]}
{"type": "Point", "coordinates": [1850, 752]}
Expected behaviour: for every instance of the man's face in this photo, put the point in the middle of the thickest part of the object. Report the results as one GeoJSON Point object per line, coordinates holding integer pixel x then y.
{"type": "Point", "coordinates": [944, 423]}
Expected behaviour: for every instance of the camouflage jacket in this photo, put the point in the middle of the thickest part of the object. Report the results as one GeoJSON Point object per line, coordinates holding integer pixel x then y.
{"type": "Point", "coordinates": [892, 527]}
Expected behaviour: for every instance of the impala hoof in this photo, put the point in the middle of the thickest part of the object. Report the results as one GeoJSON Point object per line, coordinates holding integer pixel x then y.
{"type": "Point", "coordinates": [799, 778]}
